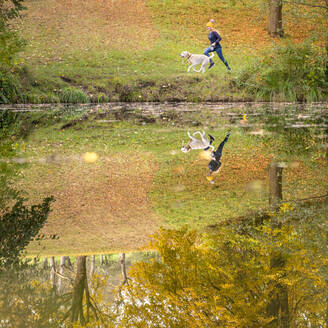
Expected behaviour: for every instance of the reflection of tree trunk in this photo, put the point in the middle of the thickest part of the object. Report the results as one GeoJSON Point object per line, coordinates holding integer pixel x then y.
{"type": "Point", "coordinates": [45, 263]}
{"type": "Point", "coordinates": [92, 271]}
{"type": "Point", "coordinates": [80, 287]}
{"type": "Point", "coordinates": [278, 302]}
{"type": "Point", "coordinates": [275, 18]}
{"type": "Point", "coordinates": [93, 265]}
{"type": "Point", "coordinates": [52, 272]}
{"type": "Point", "coordinates": [69, 263]}
{"type": "Point", "coordinates": [123, 267]}
{"type": "Point", "coordinates": [275, 185]}
{"type": "Point", "coordinates": [61, 271]}
{"type": "Point", "coordinates": [78, 290]}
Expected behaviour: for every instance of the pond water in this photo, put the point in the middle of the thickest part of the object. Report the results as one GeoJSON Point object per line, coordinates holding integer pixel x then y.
{"type": "Point", "coordinates": [119, 172]}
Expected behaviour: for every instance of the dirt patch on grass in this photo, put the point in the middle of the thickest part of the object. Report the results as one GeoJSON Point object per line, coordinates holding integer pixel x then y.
{"type": "Point", "coordinates": [58, 27]}
{"type": "Point", "coordinates": [100, 206]}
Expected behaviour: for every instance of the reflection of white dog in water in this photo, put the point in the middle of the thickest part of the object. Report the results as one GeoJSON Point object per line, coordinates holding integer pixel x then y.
{"type": "Point", "coordinates": [195, 143]}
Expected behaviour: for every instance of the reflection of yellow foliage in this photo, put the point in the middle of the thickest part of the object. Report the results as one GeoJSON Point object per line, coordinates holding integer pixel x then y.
{"type": "Point", "coordinates": [286, 207]}
{"type": "Point", "coordinates": [90, 157]}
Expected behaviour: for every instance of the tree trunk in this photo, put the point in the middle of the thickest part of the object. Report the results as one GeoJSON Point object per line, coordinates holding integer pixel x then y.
{"type": "Point", "coordinates": [123, 267]}
{"type": "Point", "coordinates": [101, 259]}
{"type": "Point", "coordinates": [52, 272]}
{"type": "Point", "coordinates": [61, 271]}
{"type": "Point", "coordinates": [275, 185]}
{"type": "Point", "coordinates": [93, 265]}
{"type": "Point", "coordinates": [69, 263]}
{"type": "Point", "coordinates": [45, 263]}
{"type": "Point", "coordinates": [278, 303]}
{"type": "Point", "coordinates": [78, 290]}
{"type": "Point", "coordinates": [275, 18]}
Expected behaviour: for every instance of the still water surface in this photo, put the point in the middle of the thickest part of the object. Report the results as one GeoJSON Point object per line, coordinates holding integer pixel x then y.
{"type": "Point", "coordinates": [117, 172]}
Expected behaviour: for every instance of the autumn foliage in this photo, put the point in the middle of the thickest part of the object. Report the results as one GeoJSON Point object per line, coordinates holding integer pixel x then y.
{"type": "Point", "coordinates": [225, 278]}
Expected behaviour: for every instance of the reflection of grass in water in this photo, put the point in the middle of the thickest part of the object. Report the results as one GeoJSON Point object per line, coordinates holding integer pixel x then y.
{"type": "Point", "coordinates": [179, 193]}
{"type": "Point", "coordinates": [199, 203]}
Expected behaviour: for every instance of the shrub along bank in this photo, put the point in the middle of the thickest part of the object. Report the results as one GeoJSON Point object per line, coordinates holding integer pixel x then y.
{"type": "Point", "coordinates": [290, 72]}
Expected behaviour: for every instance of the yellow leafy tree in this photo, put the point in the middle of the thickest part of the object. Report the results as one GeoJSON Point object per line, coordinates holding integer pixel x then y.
{"type": "Point", "coordinates": [224, 278]}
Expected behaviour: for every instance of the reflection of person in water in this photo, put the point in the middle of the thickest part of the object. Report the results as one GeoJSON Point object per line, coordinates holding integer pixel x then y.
{"type": "Point", "coordinates": [215, 164]}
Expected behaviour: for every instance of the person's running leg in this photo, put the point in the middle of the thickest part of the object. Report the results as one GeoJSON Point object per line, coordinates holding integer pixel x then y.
{"type": "Point", "coordinates": [211, 141]}
{"type": "Point", "coordinates": [219, 52]}
{"type": "Point", "coordinates": [207, 53]}
{"type": "Point", "coordinates": [218, 152]}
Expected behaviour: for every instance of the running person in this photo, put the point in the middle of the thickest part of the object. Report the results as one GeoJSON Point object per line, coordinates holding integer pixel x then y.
{"type": "Point", "coordinates": [215, 164]}
{"type": "Point", "coordinates": [215, 39]}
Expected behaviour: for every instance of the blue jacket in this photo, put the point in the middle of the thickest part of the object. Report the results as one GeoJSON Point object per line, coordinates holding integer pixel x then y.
{"type": "Point", "coordinates": [214, 36]}
{"type": "Point", "coordinates": [214, 165]}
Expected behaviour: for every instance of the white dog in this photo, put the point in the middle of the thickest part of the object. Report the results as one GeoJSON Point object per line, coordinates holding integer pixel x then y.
{"type": "Point", "coordinates": [195, 143]}
{"type": "Point", "coordinates": [195, 60]}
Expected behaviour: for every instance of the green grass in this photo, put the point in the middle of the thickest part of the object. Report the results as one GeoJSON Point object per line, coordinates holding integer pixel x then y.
{"type": "Point", "coordinates": [111, 54]}
{"type": "Point", "coordinates": [120, 70]}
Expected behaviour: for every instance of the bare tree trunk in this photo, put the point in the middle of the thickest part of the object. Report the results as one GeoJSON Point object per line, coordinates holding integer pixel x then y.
{"type": "Point", "coordinates": [78, 290]}
{"type": "Point", "coordinates": [93, 265]}
{"type": "Point", "coordinates": [61, 271]}
{"type": "Point", "coordinates": [80, 287]}
{"type": "Point", "coordinates": [123, 267]}
{"type": "Point", "coordinates": [275, 185]}
{"type": "Point", "coordinates": [68, 262]}
{"type": "Point", "coordinates": [52, 272]}
{"type": "Point", "coordinates": [45, 263]}
{"type": "Point", "coordinates": [275, 18]}
{"type": "Point", "coordinates": [278, 304]}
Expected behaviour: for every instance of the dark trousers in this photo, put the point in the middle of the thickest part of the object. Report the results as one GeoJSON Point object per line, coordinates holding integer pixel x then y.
{"type": "Point", "coordinates": [218, 152]}
{"type": "Point", "coordinates": [211, 141]}
{"type": "Point", "coordinates": [218, 50]}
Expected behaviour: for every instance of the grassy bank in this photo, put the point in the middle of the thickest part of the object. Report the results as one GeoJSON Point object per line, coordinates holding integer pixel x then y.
{"type": "Point", "coordinates": [129, 51]}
